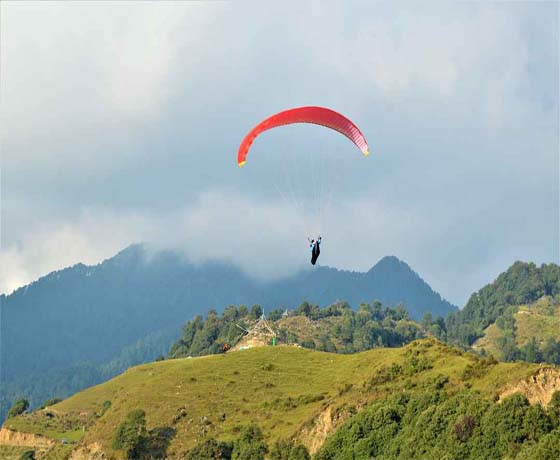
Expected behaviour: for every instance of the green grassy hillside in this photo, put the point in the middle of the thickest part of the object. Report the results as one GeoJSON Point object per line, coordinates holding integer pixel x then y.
{"type": "Point", "coordinates": [539, 321]}
{"type": "Point", "coordinates": [521, 284]}
{"type": "Point", "coordinates": [285, 390]}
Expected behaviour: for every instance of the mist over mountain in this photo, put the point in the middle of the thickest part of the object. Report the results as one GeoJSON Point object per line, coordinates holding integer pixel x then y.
{"type": "Point", "coordinates": [93, 315]}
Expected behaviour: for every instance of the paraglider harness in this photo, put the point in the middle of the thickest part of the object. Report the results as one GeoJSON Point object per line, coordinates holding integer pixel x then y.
{"type": "Point", "coordinates": [314, 247]}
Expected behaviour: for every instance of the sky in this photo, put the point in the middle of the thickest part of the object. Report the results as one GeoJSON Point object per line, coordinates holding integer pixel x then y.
{"type": "Point", "coordinates": [120, 123]}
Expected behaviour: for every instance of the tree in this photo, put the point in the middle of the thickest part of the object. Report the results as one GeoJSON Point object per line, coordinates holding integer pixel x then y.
{"type": "Point", "coordinates": [19, 407]}
{"type": "Point", "coordinates": [427, 320]}
{"type": "Point", "coordinates": [551, 351]}
{"type": "Point", "coordinates": [400, 312]}
{"type": "Point", "coordinates": [286, 450]}
{"type": "Point", "coordinates": [256, 311]}
{"type": "Point", "coordinates": [554, 408]}
{"type": "Point", "coordinates": [304, 309]}
{"type": "Point", "coordinates": [50, 402]}
{"type": "Point", "coordinates": [131, 434]}
{"type": "Point", "coordinates": [28, 455]}
{"type": "Point", "coordinates": [210, 449]}
{"type": "Point", "coordinates": [530, 352]}
{"type": "Point", "coordinates": [276, 314]}
{"type": "Point", "coordinates": [536, 422]}
{"type": "Point", "coordinates": [250, 445]}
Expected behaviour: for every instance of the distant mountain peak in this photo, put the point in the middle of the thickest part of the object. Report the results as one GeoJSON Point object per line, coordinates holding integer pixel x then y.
{"type": "Point", "coordinates": [392, 264]}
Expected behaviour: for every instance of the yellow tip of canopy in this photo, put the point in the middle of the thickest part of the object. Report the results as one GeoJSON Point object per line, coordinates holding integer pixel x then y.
{"type": "Point", "coordinates": [366, 153]}
{"type": "Point", "coordinates": [241, 164]}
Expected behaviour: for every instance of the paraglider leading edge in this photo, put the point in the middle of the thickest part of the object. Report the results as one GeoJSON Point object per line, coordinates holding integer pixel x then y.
{"type": "Point", "coordinates": [314, 115]}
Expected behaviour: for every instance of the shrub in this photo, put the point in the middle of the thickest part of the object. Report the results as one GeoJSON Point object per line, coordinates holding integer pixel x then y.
{"type": "Point", "coordinates": [440, 381]}
{"type": "Point", "coordinates": [464, 428]}
{"type": "Point", "coordinates": [28, 455]}
{"type": "Point", "coordinates": [131, 434]}
{"type": "Point", "coordinates": [250, 445]}
{"type": "Point", "coordinates": [19, 407]}
{"type": "Point", "coordinates": [384, 375]}
{"type": "Point", "coordinates": [50, 402]}
{"type": "Point", "coordinates": [210, 449]}
{"type": "Point", "coordinates": [106, 406]}
{"type": "Point", "coordinates": [286, 450]}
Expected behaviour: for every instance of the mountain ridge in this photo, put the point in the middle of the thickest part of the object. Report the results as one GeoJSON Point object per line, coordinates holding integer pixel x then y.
{"type": "Point", "coordinates": [87, 315]}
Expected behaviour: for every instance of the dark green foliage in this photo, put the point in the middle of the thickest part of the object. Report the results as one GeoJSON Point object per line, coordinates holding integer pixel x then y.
{"type": "Point", "coordinates": [554, 408]}
{"type": "Point", "coordinates": [50, 402]}
{"type": "Point", "coordinates": [384, 375]}
{"type": "Point", "coordinates": [131, 435]}
{"type": "Point", "coordinates": [439, 381]}
{"type": "Point", "coordinates": [522, 283]}
{"type": "Point", "coordinates": [106, 407]}
{"type": "Point", "coordinates": [551, 352]}
{"type": "Point", "coordinates": [531, 351]}
{"type": "Point", "coordinates": [371, 326]}
{"type": "Point", "coordinates": [548, 448]}
{"type": "Point", "coordinates": [464, 428]}
{"type": "Point", "coordinates": [19, 407]}
{"type": "Point", "coordinates": [207, 336]}
{"type": "Point", "coordinates": [28, 455]}
{"type": "Point", "coordinates": [416, 362]}
{"type": "Point", "coordinates": [210, 449]}
{"type": "Point", "coordinates": [275, 315]}
{"type": "Point", "coordinates": [479, 367]}
{"type": "Point", "coordinates": [256, 311]}
{"type": "Point", "coordinates": [435, 327]}
{"type": "Point", "coordinates": [287, 450]}
{"type": "Point", "coordinates": [155, 443]}
{"type": "Point", "coordinates": [250, 445]}
{"type": "Point", "coordinates": [433, 425]}
{"type": "Point", "coordinates": [365, 435]}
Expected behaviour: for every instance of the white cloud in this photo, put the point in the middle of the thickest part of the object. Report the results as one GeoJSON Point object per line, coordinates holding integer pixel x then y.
{"type": "Point", "coordinates": [92, 237]}
{"type": "Point", "coordinates": [266, 240]}
{"type": "Point", "coordinates": [104, 105]}
{"type": "Point", "coordinates": [81, 80]}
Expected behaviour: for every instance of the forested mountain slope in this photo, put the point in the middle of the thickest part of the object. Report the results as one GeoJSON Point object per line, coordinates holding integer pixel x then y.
{"type": "Point", "coordinates": [81, 325]}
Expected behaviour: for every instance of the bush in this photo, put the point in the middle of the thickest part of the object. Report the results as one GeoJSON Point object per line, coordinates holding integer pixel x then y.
{"type": "Point", "coordinates": [50, 402]}
{"type": "Point", "coordinates": [131, 434]}
{"type": "Point", "coordinates": [19, 407]}
{"type": "Point", "coordinates": [210, 449]}
{"type": "Point", "coordinates": [464, 428]}
{"type": "Point", "coordinates": [440, 381]}
{"type": "Point", "coordinates": [384, 375]}
{"type": "Point", "coordinates": [434, 425]}
{"type": "Point", "coordinates": [286, 450]}
{"type": "Point", "coordinates": [28, 455]}
{"type": "Point", "coordinates": [106, 406]}
{"type": "Point", "coordinates": [250, 445]}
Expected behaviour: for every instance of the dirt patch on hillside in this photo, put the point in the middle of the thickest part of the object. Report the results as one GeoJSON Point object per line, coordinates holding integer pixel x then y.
{"type": "Point", "coordinates": [538, 388]}
{"type": "Point", "coordinates": [93, 451]}
{"type": "Point", "coordinates": [314, 433]}
{"type": "Point", "coordinates": [16, 438]}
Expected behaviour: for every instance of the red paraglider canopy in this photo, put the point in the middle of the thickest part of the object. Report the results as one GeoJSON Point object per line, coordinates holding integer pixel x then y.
{"type": "Point", "coordinates": [315, 115]}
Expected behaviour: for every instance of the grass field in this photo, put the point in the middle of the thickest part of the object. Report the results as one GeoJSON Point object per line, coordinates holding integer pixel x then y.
{"type": "Point", "coordinates": [283, 389]}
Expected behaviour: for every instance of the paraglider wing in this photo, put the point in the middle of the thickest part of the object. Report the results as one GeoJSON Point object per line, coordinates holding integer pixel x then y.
{"type": "Point", "coordinates": [315, 115]}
